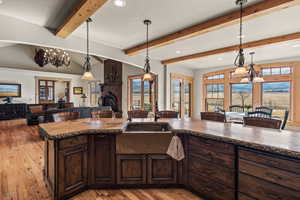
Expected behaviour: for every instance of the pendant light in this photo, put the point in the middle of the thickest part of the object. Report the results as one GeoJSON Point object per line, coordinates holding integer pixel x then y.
{"type": "Point", "coordinates": [147, 68]}
{"type": "Point", "coordinates": [87, 64]}
{"type": "Point", "coordinates": [252, 75]}
{"type": "Point", "coordinates": [240, 59]}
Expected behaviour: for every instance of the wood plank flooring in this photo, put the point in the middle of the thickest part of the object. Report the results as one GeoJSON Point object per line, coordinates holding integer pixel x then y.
{"type": "Point", "coordinates": [21, 163]}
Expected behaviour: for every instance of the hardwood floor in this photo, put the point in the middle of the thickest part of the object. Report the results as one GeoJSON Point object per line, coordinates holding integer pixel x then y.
{"type": "Point", "coordinates": [21, 163]}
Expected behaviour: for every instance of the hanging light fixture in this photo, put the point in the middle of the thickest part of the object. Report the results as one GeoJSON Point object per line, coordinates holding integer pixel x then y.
{"type": "Point", "coordinates": [239, 61]}
{"type": "Point", "coordinates": [147, 68]}
{"type": "Point", "coordinates": [252, 75]}
{"type": "Point", "coordinates": [87, 64]}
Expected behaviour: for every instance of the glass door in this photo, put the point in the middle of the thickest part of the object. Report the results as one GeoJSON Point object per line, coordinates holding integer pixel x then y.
{"type": "Point", "coordinates": [46, 91]}
{"type": "Point", "coordinates": [176, 95]}
{"type": "Point", "coordinates": [187, 99]}
{"type": "Point", "coordinates": [181, 95]}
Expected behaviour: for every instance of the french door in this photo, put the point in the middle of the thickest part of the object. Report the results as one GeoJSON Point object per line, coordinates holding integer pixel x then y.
{"type": "Point", "coordinates": [181, 95]}
{"type": "Point", "coordinates": [46, 91]}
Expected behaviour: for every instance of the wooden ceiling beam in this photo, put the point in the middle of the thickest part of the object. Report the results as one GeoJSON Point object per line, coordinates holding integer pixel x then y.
{"type": "Point", "coordinates": [84, 10]}
{"type": "Point", "coordinates": [282, 38]}
{"type": "Point", "coordinates": [256, 10]}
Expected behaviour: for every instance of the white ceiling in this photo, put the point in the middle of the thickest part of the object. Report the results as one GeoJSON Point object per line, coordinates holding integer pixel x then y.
{"type": "Point", "coordinates": [123, 27]}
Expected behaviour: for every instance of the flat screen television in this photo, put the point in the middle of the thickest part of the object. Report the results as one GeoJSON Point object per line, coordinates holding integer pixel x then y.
{"type": "Point", "coordinates": [10, 90]}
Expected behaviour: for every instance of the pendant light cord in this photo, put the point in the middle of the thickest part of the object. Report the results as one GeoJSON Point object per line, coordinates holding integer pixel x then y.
{"type": "Point", "coordinates": [241, 24]}
{"type": "Point", "coordinates": [147, 36]}
{"type": "Point", "coordinates": [87, 37]}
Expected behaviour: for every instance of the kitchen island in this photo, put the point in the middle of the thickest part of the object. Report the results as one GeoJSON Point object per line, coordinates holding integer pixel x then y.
{"type": "Point", "coordinates": [222, 160]}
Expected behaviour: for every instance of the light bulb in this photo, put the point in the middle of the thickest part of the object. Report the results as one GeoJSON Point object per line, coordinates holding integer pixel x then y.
{"type": "Point", "coordinates": [147, 77]}
{"type": "Point", "coordinates": [258, 79]}
{"type": "Point", "coordinates": [88, 76]}
{"type": "Point", "coordinates": [120, 3]}
{"type": "Point", "coordinates": [240, 71]}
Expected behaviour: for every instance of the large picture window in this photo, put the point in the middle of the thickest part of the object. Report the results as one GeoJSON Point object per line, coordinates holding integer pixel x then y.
{"type": "Point", "coordinates": [142, 94]}
{"type": "Point", "coordinates": [214, 97]}
{"type": "Point", "coordinates": [241, 95]}
{"type": "Point", "coordinates": [277, 96]}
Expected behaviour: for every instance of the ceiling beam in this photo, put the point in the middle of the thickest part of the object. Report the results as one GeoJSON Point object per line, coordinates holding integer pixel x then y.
{"type": "Point", "coordinates": [84, 10]}
{"type": "Point", "coordinates": [258, 9]}
{"type": "Point", "coordinates": [282, 38]}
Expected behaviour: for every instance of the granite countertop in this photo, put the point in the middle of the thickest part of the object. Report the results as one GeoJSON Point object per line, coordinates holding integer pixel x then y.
{"type": "Point", "coordinates": [276, 141]}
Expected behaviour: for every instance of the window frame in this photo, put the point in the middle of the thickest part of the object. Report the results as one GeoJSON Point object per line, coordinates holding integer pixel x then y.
{"type": "Point", "coordinates": [129, 91]}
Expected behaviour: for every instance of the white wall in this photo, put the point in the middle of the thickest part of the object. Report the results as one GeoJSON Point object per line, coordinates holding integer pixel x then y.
{"type": "Point", "coordinates": [27, 79]}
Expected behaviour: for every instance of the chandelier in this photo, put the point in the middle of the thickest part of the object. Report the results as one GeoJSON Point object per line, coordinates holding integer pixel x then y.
{"type": "Point", "coordinates": [252, 76]}
{"type": "Point", "coordinates": [88, 76]}
{"type": "Point", "coordinates": [240, 58]}
{"type": "Point", "coordinates": [56, 57]}
{"type": "Point", "coordinates": [147, 68]}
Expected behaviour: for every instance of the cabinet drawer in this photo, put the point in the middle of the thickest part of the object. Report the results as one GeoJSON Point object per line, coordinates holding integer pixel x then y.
{"type": "Point", "coordinates": [71, 142]}
{"type": "Point", "coordinates": [280, 162]}
{"type": "Point", "coordinates": [211, 171]}
{"type": "Point", "coordinates": [209, 189]}
{"type": "Point", "coordinates": [260, 189]}
{"type": "Point", "coordinates": [197, 144]}
{"type": "Point", "coordinates": [274, 175]}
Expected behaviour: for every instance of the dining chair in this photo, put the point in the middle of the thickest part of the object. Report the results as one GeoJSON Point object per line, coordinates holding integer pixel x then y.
{"type": "Point", "coordinates": [260, 114]}
{"type": "Point", "coordinates": [65, 116]}
{"type": "Point", "coordinates": [167, 114]}
{"type": "Point", "coordinates": [137, 114]}
{"type": "Point", "coordinates": [262, 122]}
{"type": "Point", "coordinates": [236, 108]}
{"type": "Point", "coordinates": [285, 119]}
{"type": "Point", "coordinates": [102, 114]}
{"type": "Point", "coordinates": [213, 116]}
{"type": "Point", "coordinates": [265, 109]}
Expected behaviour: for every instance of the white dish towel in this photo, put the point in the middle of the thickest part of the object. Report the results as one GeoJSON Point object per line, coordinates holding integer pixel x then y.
{"type": "Point", "coordinates": [175, 149]}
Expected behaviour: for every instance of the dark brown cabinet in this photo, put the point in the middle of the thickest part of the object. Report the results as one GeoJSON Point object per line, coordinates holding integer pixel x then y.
{"type": "Point", "coordinates": [274, 177]}
{"type": "Point", "coordinates": [102, 158]}
{"type": "Point", "coordinates": [131, 169]}
{"type": "Point", "coordinates": [72, 170]}
{"type": "Point", "coordinates": [211, 168]}
{"type": "Point", "coordinates": [156, 169]}
{"type": "Point", "coordinates": [162, 169]}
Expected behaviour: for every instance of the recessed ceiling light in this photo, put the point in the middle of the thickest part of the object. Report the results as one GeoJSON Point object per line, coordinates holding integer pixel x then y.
{"type": "Point", "coordinates": [178, 52]}
{"type": "Point", "coordinates": [220, 58]}
{"type": "Point", "coordinates": [118, 3]}
{"type": "Point", "coordinates": [240, 36]}
{"type": "Point", "coordinates": [1, 1]}
{"type": "Point", "coordinates": [296, 45]}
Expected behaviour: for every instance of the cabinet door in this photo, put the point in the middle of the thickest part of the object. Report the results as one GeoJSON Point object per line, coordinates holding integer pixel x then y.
{"type": "Point", "coordinates": [131, 169]}
{"type": "Point", "coordinates": [211, 170]}
{"type": "Point", "coordinates": [104, 159]}
{"type": "Point", "coordinates": [72, 172]}
{"type": "Point", "coordinates": [162, 169]}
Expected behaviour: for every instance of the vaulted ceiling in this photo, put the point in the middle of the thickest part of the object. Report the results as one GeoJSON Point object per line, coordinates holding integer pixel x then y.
{"type": "Point", "coordinates": [122, 28]}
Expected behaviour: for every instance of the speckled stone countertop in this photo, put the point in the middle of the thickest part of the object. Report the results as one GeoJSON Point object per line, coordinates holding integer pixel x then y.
{"type": "Point", "coordinates": [275, 141]}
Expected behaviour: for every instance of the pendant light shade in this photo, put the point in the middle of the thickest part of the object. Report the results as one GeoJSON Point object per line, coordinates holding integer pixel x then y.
{"type": "Point", "coordinates": [239, 61]}
{"type": "Point", "coordinates": [88, 76]}
{"type": "Point", "coordinates": [251, 75]}
{"type": "Point", "coordinates": [147, 69]}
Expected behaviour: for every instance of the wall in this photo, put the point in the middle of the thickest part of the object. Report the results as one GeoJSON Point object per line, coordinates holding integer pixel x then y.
{"type": "Point", "coordinates": [27, 79]}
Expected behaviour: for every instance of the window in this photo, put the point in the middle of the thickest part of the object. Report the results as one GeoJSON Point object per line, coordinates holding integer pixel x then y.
{"type": "Point", "coordinates": [214, 97]}
{"type": "Point", "coordinates": [241, 94]}
{"type": "Point", "coordinates": [215, 77]}
{"type": "Point", "coordinates": [277, 96]}
{"type": "Point", "coordinates": [176, 95]}
{"type": "Point", "coordinates": [276, 71]}
{"type": "Point", "coordinates": [142, 94]}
